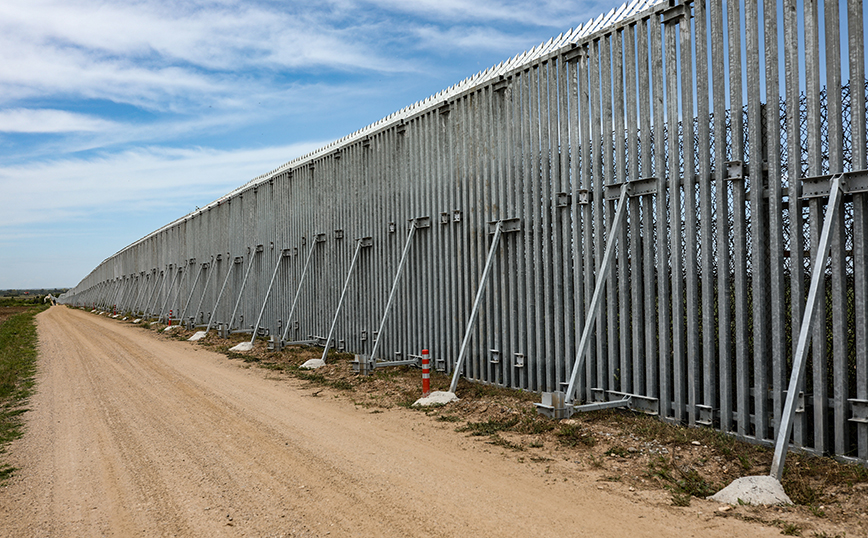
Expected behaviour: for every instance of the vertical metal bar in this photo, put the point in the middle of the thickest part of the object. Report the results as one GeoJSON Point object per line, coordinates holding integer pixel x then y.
{"type": "Point", "coordinates": [794, 204]}
{"type": "Point", "coordinates": [815, 160]}
{"type": "Point", "coordinates": [818, 270]}
{"type": "Point", "coordinates": [341, 300]}
{"type": "Point", "coordinates": [462, 353]}
{"type": "Point", "coordinates": [608, 178]}
{"type": "Point", "coordinates": [709, 379]}
{"type": "Point", "coordinates": [856, 49]}
{"type": "Point", "coordinates": [739, 226]}
{"type": "Point", "coordinates": [650, 384]}
{"type": "Point", "coordinates": [758, 214]}
{"type": "Point", "coordinates": [625, 368]}
{"type": "Point", "coordinates": [777, 293]}
{"type": "Point", "coordinates": [636, 264]}
{"type": "Point", "coordinates": [661, 208]}
{"type": "Point", "coordinates": [691, 309]}
{"type": "Point", "coordinates": [594, 309]}
{"type": "Point", "coordinates": [566, 268]}
{"type": "Point", "coordinates": [599, 366]}
{"type": "Point", "coordinates": [673, 178]}
{"type": "Point", "coordinates": [840, 352]}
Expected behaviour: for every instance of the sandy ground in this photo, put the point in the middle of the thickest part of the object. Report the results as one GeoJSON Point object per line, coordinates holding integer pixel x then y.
{"type": "Point", "coordinates": [133, 435]}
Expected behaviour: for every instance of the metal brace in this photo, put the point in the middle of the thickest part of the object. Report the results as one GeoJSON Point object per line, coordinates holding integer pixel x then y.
{"type": "Point", "coordinates": [563, 199]}
{"type": "Point", "coordinates": [495, 356]}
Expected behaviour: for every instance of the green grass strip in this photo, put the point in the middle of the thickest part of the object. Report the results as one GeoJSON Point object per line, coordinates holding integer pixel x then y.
{"type": "Point", "coordinates": [17, 368]}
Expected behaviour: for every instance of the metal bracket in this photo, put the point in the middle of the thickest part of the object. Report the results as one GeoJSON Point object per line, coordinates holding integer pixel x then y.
{"type": "Point", "coordinates": [501, 84]}
{"type": "Point", "coordinates": [854, 182]}
{"type": "Point", "coordinates": [366, 242]}
{"type": "Point", "coordinates": [444, 218]}
{"type": "Point", "coordinates": [735, 170]}
{"type": "Point", "coordinates": [585, 196]}
{"type": "Point", "coordinates": [553, 405]}
{"type": "Point", "coordinates": [859, 408]}
{"type": "Point", "coordinates": [286, 253]}
{"type": "Point", "coordinates": [638, 187]}
{"type": "Point", "coordinates": [495, 356]}
{"type": "Point", "coordinates": [675, 13]}
{"type": "Point", "coordinates": [575, 52]}
{"type": "Point", "coordinates": [563, 199]}
{"type": "Point", "coordinates": [507, 226]}
{"type": "Point", "coordinates": [421, 222]}
{"type": "Point", "coordinates": [259, 248]}
{"type": "Point", "coordinates": [518, 360]}
{"type": "Point", "coordinates": [706, 415]}
{"type": "Point", "coordinates": [238, 259]}
{"type": "Point", "coordinates": [364, 336]}
{"type": "Point", "coordinates": [317, 340]}
{"type": "Point", "coordinates": [392, 227]}
{"type": "Point", "coordinates": [339, 234]}
{"type": "Point", "coordinates": [319, 238]}
{"type": "Point", "coordinates": [456, 215]}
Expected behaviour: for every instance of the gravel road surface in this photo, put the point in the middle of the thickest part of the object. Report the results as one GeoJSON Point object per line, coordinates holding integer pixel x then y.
{"type": "Point", "coordinates": [131, 434]}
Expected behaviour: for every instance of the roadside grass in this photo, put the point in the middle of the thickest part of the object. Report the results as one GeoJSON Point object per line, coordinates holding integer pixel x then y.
{"type": "Point", "coordinates": [17, 368]}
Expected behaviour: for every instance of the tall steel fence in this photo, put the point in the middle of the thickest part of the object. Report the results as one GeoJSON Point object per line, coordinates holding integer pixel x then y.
{"type": "Point", "coordinates": [712, 130]}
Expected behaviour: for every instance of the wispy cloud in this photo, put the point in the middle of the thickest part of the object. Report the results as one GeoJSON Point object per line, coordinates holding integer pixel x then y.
{"type": "Point", "coordinates": [145, 179]}
{"type": "Point", "coordinates": [22, 120]}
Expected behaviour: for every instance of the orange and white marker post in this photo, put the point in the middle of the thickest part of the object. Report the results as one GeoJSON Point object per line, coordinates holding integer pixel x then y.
{"type": "Point", "coordinates": [426, 374]}
{"type": "Point", "coordinates": [170, 317]}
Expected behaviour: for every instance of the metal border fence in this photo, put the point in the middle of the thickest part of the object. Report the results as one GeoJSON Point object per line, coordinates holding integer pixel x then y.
{"type": "Point", "coordinates": [697, 140]}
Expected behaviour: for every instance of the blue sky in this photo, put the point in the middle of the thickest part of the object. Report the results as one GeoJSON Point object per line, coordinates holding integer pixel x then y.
{"type": "Point", "coordinates": [119, 117]}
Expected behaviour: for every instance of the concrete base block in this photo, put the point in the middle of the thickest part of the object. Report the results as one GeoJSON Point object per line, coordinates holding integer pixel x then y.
{"type": "Point", "coordinates": [436, 398]}
{"type": "Point", "coordinates": [313, 364]}
{"type": "Point", "coordinates": [198, 335]}
{"type": "Point", "coordinates": [753, 490]}
{"type": "Point", "coordinates": [243, 346]}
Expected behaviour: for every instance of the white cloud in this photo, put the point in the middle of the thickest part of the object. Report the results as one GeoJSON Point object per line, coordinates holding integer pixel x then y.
{"type": "Point", "coordinates": [158, 54]}
{"type": "Point", "coordinates": [22, 120]}
{"type": "Point", "coordinates": [147, 178]}
{"type": "Point", "coordinates": [547, 13]}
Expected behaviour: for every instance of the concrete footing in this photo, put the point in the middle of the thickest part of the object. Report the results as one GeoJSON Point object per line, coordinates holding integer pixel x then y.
{"type": "Point", "coordinates": [753, 490]}
{"type": "Point", "coordinates": [436, 398]}
{"type": "Point", "coordinates": [243, 346]}
{"type": "Point", "coordinates": [198, 335]}
{"type": "Point", "coordinates": [313, 364]}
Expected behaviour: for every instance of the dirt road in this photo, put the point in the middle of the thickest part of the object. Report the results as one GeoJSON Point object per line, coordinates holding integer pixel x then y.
{"type": "Point", "coordinates": [134, 435]}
